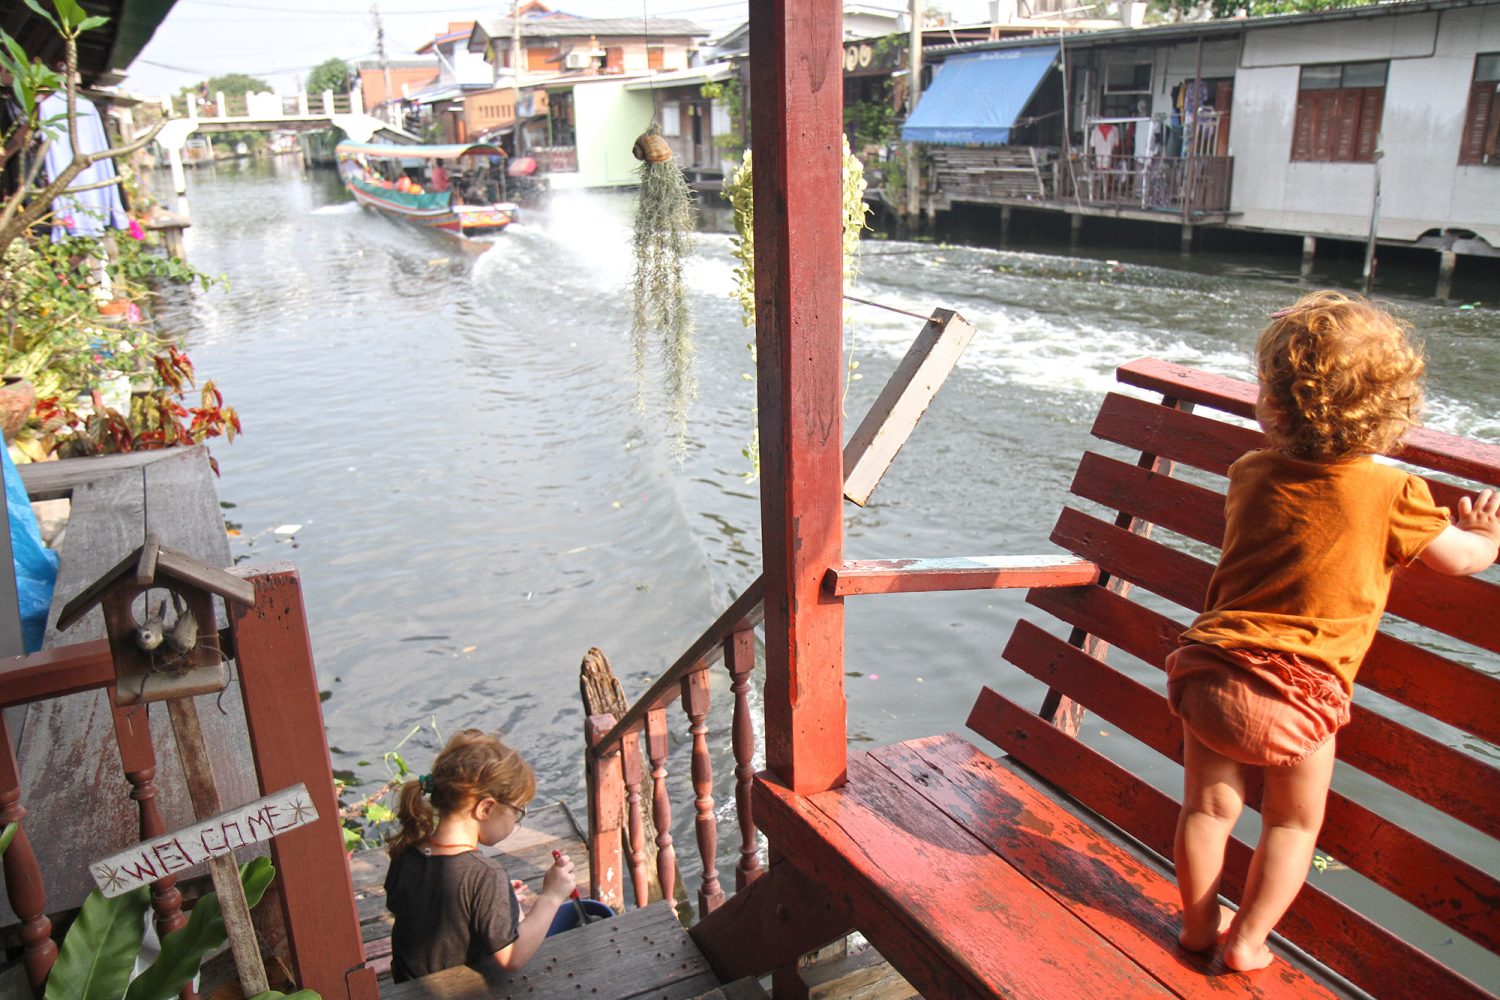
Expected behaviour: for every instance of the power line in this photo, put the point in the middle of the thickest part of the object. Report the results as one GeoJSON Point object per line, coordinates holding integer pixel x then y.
{"type": "Point", "coordinates": [436, 14]}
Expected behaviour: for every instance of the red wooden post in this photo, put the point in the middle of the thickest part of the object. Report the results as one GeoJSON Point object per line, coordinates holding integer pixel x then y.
{"type": "Point", "coordinates": [284, 717]}
{"type": "Point", "coordinates": [796, 47]}
{"type": "Point", "coordinates": [630, 755]}
{"type": "Point", "coordinates": [739, 656]}
{"type": "Point", "coordinates": [23, 876]}
{"type": "Point", "coordinates": [138, 757]}
{"type": "Point", "coordinates": [695, 703]}
{"type": "Point", "coordinates": [606, 805]}
{"type": "Point", "coordinates": [661, 805]}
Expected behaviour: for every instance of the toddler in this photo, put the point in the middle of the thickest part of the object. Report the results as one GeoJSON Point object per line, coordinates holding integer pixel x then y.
{"type": "Point", "coordinates": [1314, 531]}
{"type": "Point", "coordinates": [454, 905]}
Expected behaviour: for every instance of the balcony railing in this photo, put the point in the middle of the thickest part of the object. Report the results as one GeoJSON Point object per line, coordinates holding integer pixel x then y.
{"type": "Point", "coordinates": [1189, 186]}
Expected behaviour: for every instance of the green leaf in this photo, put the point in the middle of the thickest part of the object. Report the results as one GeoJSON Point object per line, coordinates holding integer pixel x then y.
{"type": "Point", "coordinates": [70, 13]}
{"type": "Point", "coordinates": [89, 23]}
{"type": "Point", "coordinates": [182, 951]}
{"type": "Point", "coordinates": [377, 813]}
{"type": "Point", "coordinates": [50, 19]}
{"type": "Point", "coordinates": [7, 835]}
{"type": "Point", "coordinates": [98, 955]}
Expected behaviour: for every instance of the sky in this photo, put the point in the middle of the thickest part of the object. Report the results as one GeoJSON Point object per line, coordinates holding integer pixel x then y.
{"type": "Point", "coordinates": [280, 40]}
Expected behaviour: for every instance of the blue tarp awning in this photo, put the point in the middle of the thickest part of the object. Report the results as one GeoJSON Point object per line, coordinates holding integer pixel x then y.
{"type": "Point", "coordinates": [976, 98]}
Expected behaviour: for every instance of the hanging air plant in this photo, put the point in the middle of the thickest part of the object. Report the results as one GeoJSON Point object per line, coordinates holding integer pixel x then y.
{"type": "Point", "coordinates": [663, 227]}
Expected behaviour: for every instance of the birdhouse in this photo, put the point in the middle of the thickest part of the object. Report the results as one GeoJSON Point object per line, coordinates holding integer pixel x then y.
{"type": "Point", "coordinates": [159, 617]}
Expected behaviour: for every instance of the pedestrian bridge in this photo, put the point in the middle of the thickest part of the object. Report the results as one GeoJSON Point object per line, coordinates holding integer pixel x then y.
{"type": "Point", "coordinates": [264, 112]}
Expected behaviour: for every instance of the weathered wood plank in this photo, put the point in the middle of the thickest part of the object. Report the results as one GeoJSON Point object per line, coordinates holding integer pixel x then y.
{"type": "Point", "coordinates": [915, 576]}
{"type": "Point", "coordinates": [67, 751]}
{"type": "Point", "coordinates": [914, 875]}
{"type": "Point", "coordinates": [57, 480]}
{"type": "Point", "coordinates": [1448, 888]}
{"type": "Point", "coordinates": [905, 397]}
{"type": "Point", "coordinates": [770, 923]}
{"type": "Point", "coordinates": [1366, 954]}
{"type": "Point", "coordinates": [1132, 904]}
{"type": "Point", "coordinates": [639, 953]}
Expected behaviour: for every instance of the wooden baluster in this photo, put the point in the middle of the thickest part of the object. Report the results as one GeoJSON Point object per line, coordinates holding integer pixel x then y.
{"type": "Point", "coordinates": [739, 656]}
{"type": "Point", "coordinates": [695, 703]}
{"type": "Point", "coordinates": [23, 876]}
{"type": "Point", "coordinates": [138, 756]}
{"type": "Point", "coordinates": [661, 807]}
{"type": "Point", "coordinates": [606, 879]}
{"type": "Point", "coordinates": [630, 749]}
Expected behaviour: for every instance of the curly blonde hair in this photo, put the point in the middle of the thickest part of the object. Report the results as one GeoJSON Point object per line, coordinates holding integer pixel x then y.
{"type": "Point", "coordinates": [1339, 377]}
{"type": "Point", "coordinates": [473, 766]}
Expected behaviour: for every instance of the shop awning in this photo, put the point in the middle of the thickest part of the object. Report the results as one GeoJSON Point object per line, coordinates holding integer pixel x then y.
{"type": "Point", "coordinates": [976, 98]}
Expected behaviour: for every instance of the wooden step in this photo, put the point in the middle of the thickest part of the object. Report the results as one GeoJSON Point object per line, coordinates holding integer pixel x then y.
{"type": "Point", "coordinates": [748, 988]}
{"type": "Point", "coordinates": [640, 953]}
{"type": "Point", "coordinates": [861, 975]}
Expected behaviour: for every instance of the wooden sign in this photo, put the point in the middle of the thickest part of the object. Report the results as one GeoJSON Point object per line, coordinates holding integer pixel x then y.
{"type": "Point", "coordinates": [204, 840]}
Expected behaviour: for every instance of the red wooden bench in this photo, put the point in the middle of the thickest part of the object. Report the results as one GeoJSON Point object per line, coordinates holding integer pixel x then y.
{"type": "Point", "coordinates": [1042, 874]}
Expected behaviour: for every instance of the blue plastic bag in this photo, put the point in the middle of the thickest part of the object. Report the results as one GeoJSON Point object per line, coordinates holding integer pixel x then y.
{"type": "Point", "coordinates": [36, 565]}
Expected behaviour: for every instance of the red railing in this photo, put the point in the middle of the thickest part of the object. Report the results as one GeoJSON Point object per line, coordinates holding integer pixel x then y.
{"type": "Point", "coordinates": [617, 834]}
{"type": "Point", "coordinates": [284, 719]}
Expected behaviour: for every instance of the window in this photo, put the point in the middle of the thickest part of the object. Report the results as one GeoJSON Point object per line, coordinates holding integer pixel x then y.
{"type": "Point", "coordinates": [1481, 137]}
{"type": "Point", "coordinates": [1125, 84]}
{"type": "Point", "coordinates": [671, 120]}
{"type": "Point", "coordinates": [1339, 108]}
{"type": "Point", "coordinates": [655, 57]}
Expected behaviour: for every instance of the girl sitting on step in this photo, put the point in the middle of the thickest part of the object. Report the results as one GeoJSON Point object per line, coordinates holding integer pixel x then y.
{"type": "Point", "coordinates": [453, 904]}
{"type": "Point", "coordinates": [1314, 530]}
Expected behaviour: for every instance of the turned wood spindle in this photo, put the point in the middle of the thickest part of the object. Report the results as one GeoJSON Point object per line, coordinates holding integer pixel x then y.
{"type": "Point", "coordinates": [739, 656]}
{"type": "Point", "coordinates": [138, 757]}
{"type": "Point", "coordinates": [695, 699]}
{"type": "Point", "coordinates": [630, 751]}
{"type": "Point", "coordinates": [23, 876]}
{"type": "Point", "coordinates": [661, 807]}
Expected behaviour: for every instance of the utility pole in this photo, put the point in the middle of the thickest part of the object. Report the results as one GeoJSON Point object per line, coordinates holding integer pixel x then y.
{"type": "Point", "coordinates": [515, 44]}
{"type": "Point", "coordinates": [385, 64]}
{"type": "Point", "coordinates": [914, 92]}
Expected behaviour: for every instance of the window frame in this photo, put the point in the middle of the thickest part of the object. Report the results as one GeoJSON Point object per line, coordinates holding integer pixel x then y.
{"type": "Point", "coordinates": [1339, 123]}
{"type": "Point", "coordinates": [1479, 141]}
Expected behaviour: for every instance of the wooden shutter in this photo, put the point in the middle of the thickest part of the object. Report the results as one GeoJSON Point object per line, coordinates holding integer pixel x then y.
{"type": "Point", "coordinates": [1326, 124]}
{"type": "Point", "coordinates": [1367, 123]}
{"type": "Point", "coordinates": [1480, 124]}
{"type": "Point", "coordinates": [1302, 131]}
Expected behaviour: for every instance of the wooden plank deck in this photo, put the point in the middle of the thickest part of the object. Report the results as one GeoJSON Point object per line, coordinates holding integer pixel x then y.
{"type": "Point", "coordinates": [68, 759]}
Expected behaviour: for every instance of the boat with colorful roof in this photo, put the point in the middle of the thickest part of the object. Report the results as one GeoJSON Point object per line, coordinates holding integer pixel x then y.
{"type": "Point", "coordinates": [458, 188]}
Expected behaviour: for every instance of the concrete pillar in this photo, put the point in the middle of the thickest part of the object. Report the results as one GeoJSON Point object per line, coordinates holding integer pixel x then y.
{"type": "Point", "coordinates": [223, 105]}
{"type": "Point", "coordinates": [328, 108]}
{"type": "Point", "coordinates": [302, 105]}
{"type": "Point", "coordinates": [1186, 245]}
{"type": "Point", "coordinates": [1005, 212]}
{"type": "Point", "coordinates": [192, 105]}
{"type": "Point", "coordinates": [1309, 251]}
{"type": "Point", "coordinates": [1447, 262]}
{"type": "Point", "coordinates": [1075, 229]}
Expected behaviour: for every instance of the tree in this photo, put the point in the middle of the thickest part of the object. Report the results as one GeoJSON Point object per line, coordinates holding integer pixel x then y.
{"type": "Point", "coordinates": [236, 85]}
{"type": "Point", "coordinates": [1228, 8]}
{"type": "Point", "coordinates": [331, 74]}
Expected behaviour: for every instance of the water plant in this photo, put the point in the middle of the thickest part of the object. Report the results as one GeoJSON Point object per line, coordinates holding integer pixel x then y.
{"type": "Point", "coordinates": [664, 220]}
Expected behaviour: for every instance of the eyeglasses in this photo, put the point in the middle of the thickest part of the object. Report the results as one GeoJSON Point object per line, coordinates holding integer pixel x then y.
{"type": "Point", "coordinates": [520, 811]}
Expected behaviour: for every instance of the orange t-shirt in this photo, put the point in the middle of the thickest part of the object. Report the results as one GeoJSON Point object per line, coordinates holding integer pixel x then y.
{"type": "Point", "coordinates": [1309, 552]}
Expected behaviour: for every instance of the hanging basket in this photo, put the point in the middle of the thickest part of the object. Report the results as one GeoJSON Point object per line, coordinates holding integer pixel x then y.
{"type": "Point", "coordinates": [651, 148]}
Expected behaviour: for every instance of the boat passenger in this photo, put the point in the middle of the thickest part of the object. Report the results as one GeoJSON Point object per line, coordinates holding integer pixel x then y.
{"type": "Point", "coordinates": [440, 180]}
{"type": "Point", "coordinates": [1314, 530]}
{"type": "Point", "coordinates": [453, 904]}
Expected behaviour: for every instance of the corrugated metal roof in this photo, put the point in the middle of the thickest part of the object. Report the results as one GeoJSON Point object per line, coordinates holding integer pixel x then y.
{"type": "Point", "coordinates": [567, 27]}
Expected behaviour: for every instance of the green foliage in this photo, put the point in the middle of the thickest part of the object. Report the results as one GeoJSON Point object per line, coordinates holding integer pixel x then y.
{"type": "Point", "coordinates": [71, 19]}
{"type": "Point", "coordinates": [7, 835]}
{"type": "Point", "coordinates": [236, 85]}
{"type": "Point", "coordinates": [729, 94]}
{"type": "Point", "coordinates": [1255, 8]}
{"type": "Point", "coordinates": [739, 191]}
{"type": "Point", "coordinates": [331, 74]}
{"type": "Point", "coordinates": [29, 78]}
{"type": "Point", "coordinates": [664, 219]}
{"type": "Point", "coordinates": [183, 951]}
{"type": "Point", "coordinates": [369, 822]}
{"type": "Point", "coordinates": [98, 955]}
{"type": "Point", "coordinates": [870, 123]}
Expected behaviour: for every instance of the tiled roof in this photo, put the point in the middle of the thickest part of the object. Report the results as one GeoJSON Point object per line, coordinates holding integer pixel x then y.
{"type": "Point", "coordinates": [569, 27]}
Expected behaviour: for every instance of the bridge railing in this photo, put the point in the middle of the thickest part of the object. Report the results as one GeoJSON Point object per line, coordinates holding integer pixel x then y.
{"type": "Point", "coordinates": [262, 106]}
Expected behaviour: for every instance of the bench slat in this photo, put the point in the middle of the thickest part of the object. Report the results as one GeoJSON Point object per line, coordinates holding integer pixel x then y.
{"type": "Point", "coordinates": [1458, 606]}
{"type": "Point", "coordinates": [1446, 887]}
{"type": "Point", "coordinates": [1459, 456]}
{"type": "Point", "coordinates": [1364, 953]}
{"type": "Point", "coordinates": [1133, 905]}
{"type": "Point", "coordinates": [1199, 441]}
{"type": "Point", "coordinates": [915, 877]}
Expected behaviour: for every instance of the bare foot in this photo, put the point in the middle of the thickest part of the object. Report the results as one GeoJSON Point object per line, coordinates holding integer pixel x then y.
{"type": "Point", "coordinates": [1247, 957]}
{"type": "Point", "coordinates": [1205, 940]}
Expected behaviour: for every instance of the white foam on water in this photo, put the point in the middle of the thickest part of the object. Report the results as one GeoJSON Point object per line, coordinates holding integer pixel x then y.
{"type": "Point", "coordinates": [343, 208]}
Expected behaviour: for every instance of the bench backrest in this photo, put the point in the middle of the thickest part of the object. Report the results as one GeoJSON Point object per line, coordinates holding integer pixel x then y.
{"type": "Point", "coordinates": [1421, 738]}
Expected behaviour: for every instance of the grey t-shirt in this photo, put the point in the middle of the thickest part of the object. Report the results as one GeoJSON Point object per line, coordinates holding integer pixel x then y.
{"type": "Point", "coordinates": [454, 909]}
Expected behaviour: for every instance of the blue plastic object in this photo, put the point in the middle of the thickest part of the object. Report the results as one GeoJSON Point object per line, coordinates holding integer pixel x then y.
{"type": "Point", "coordinates": [36, 565]}
{"type": "Point", "coordinates": [567, 916]}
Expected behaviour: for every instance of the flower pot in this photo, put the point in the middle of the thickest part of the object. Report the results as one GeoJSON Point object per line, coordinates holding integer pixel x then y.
{"type": "Point", "coordinates": [652, 148]}
{"type": "Point", "coordinates": [16, 399]}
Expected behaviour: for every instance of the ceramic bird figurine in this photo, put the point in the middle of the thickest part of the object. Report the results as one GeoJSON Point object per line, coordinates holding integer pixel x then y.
{"type": "Point", "coordinates": [183, 635]}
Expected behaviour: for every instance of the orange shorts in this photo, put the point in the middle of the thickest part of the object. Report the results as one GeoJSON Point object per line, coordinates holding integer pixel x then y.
{"type": "Point", "coordinates": [1256, 706]}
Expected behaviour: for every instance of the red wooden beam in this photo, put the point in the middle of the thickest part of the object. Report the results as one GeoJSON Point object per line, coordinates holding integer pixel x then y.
{"type": "Point", "coordinates": [917, 576]}
{"type": "Point", "coordinates": [796, 51]}
{"type": "Point", "coordinates": [284, 716]}
{"type": "Point", "coordinates": [52, 673]}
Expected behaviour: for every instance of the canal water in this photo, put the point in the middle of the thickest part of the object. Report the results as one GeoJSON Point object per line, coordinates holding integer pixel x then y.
{"type": "Point", "coordinates": [448, 447]}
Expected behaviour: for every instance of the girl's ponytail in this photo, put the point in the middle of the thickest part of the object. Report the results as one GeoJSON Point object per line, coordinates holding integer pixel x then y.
{"type": "Point", "coordinates": [418, 818]}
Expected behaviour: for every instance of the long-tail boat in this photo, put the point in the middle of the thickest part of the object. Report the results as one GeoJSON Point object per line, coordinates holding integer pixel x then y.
{"type": "Point", "coordinates": [458, 188]}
